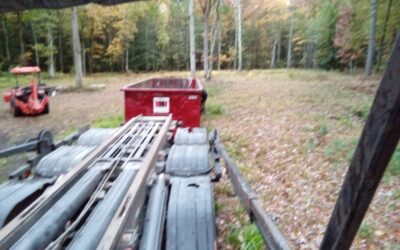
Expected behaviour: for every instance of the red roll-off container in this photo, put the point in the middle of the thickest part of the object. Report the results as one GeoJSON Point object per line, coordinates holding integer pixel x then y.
{"type": "Point", "coordinates": [181, 97]}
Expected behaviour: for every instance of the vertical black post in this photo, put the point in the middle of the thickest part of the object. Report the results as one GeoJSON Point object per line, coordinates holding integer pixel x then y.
{"type": "Point", "coordinates": [377, 143]}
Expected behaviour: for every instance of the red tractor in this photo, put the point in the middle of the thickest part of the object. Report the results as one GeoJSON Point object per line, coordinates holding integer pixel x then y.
{"type": "Point", "coordinates": [28, 100]}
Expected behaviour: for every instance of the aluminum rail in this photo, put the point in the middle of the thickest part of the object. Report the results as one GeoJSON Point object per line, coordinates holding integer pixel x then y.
{"type": "Point", "coordinates": [25, 220]}
{"type": "Point", "coordinates": [54, 220]}
{"type": "Point", "coordinates": [136, 194]}
{"type": "Point", "coordinates": [89, 236]}
{"type": "Point", "coordinates": [122, 153]}
{"type": "Point", "coordinates": [273, 238]}
{"type": "Point", "coordinates": [154, 222]}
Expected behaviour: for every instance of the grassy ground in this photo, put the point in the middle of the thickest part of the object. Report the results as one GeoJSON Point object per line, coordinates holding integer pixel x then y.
{"type": "Point", "coordinates": [291, 132]}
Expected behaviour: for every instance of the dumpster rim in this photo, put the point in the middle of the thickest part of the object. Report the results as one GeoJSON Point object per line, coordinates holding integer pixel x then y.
{"type": "Point", "coordinates": [127, 88]}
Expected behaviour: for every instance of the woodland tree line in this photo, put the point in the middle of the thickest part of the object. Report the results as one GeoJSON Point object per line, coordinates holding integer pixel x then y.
{"type": "Point", "coordinates": [223, 34]}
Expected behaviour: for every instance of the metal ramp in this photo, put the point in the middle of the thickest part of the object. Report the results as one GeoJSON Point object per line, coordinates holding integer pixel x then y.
{"type": "Point", "coordinates": [94, 200]}
{"type": "Point", "coordinates": [113, 197]}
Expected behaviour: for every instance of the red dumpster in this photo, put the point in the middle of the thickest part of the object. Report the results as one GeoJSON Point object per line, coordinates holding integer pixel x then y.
{"type": "Point", "coordinates": [181, 97]}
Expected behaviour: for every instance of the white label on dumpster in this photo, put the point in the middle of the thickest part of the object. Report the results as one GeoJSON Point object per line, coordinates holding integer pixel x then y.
{"type": "Point", "coordinates": [160, 105]}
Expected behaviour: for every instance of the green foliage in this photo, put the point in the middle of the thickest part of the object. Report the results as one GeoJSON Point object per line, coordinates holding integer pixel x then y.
{"type": "Point", "coordinates": [108, 122]}
{"type": "Point", "coordinates": [213, 109]}
{"type": "Point", "coordinates": [233, 236]}
{"type": "Point", "coordinates": [396, 195]}
{"type": "Point", "coordinates": [64, 133]}
{"type": "Point", "coordinates": [394, 165]}
{"type": "Point", "coordinates": [2, 176]}
{"type": "Point", "coordinates": [213, 89]}
{"type": "Point", "coordinates": [224, 189]}
{"type": "Point", "coordinates": [323, 129]}
{"type": "Point", "coordinates": [366, 230]}
{"type": "Point", "coordinates": [362, 111]}
{"type": "Point", "coordinates": [239, 211]}
{"type": "Point", "coordinates": [6, 81]}
{"type": "Point", "coordinates": [246, 237]}
{"type": "Point", "coordinates": [235, 146]}
{"type": "Point", "coordinates": [322, 29]}
{"type": "Point", "coordinates": [311, 145]}
{"type": "Point", "coordinates": [154, 35]}
{"type": "Point", "coordinates": [252, 239]}
{"type": "Point", "coordinates": [218, 206]}
{"type": "Point", "coordinates": [340, 149]}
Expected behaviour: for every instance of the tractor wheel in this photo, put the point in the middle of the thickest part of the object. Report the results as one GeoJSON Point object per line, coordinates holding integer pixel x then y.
{"type": "Point", "coordinates": [46, 109]}
{"type": "Point", "coordinates": [16, 110]}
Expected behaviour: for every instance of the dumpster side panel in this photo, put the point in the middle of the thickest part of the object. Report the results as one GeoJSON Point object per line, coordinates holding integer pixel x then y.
{"type": "Point", "coordinates": [184, 106]}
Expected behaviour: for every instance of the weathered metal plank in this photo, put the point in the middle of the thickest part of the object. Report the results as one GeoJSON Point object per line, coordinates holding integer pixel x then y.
{"type": "Point", "coordinates": [272, 236]}
{"type": "Point", "coordinates": [377, 143]}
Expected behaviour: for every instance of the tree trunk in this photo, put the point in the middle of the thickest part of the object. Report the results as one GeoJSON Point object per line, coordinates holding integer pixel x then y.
{"type": "Point", "coordinates": [290, 39]}
{"type": "Point", "coordinates": [20, 36]}
{"type": "Point", "coordinates": [382, 42]}
{"type": "Point", "coordinates": [273, 59]}
{"type": "Point", "coordinates": [236, 43]}
{"type": "Point", "coordinates": [60, 43]}
{"type": "Point", "coordinates": [50, 62]}
{"type": "Point", "coordinates": [213, 40]}
{"type": "Point", "coordinates": [205, 46]}
{"type": "Point", "coordinates": [6, 39]}
{"type": "Point", "coordinates": [279, 48]}
{"type": "Point", "coordinates": [92, 40]}
{"type": "Point", "coordinates": [76, 48]}
{"type": "Point", "coordinates": [236, 37]}
{"type": "Point", "coordinates": [37, 59]}
{"type": "Point", "coordinates": [127, 60]}
{"type": "Point", "coordinates": [371, 41]}
{"type": "Point", "coordinates": [219, 46]}
{"type": "Point", "coordinates": [309, 55]}
{"type": "Point", "coordinates": [192, 44]}
{"type": "Point", "coordinates": [239, 31]}
{"type": "Point", "coordinates": [84, 60]}
{"type": "Point", "coordinates": [147, 42]}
